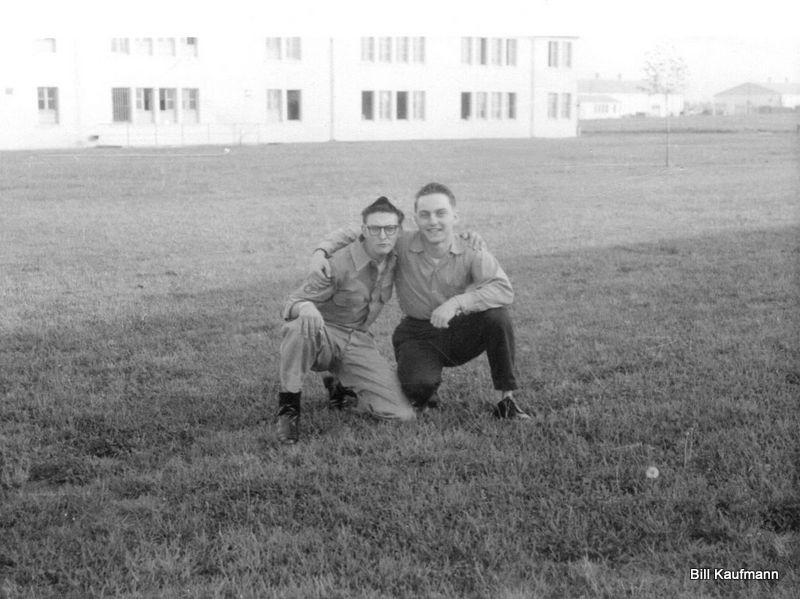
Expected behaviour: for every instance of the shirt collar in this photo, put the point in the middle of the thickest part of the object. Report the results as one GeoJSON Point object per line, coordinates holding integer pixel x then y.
{"type": "Point", "coordinates": [360, 257]}
{"type": "Point", "coordinates": [416, 245]}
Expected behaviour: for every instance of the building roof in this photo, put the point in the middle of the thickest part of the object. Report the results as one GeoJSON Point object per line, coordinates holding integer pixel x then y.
{"type": "Point", "coordinates": [755, 89]}
{"type": "Point", "coordinates": [589, 98]}
{"type": "Point", "coordinates": [612, 86]}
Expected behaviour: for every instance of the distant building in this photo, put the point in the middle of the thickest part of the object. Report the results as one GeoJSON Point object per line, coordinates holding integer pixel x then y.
{"type": "Point", "coordinates": [598, 106]}
{"type": "Point", "coordinates": [749, 98]}
{"type": "Point", "coordinates": [631, 96]}
{"type": "Point", "coordinates": [68, 92]}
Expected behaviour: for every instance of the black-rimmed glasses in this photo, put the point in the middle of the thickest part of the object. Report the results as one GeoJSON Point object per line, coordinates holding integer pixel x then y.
{"type": "Point", "coordinates": [375, 230]}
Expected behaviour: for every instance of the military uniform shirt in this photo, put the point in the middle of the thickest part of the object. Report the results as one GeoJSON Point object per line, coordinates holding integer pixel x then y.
{"type": "Point", "coordinates": [473, 277]}
{"type": "Point", "coordinates": [354, 294]}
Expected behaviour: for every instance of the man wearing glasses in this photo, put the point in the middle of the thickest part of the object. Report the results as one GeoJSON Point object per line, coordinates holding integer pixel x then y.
{"type": "Point", "coordinates": [454, 296]}
{"type": "Point", "coordinates": [327, 327]}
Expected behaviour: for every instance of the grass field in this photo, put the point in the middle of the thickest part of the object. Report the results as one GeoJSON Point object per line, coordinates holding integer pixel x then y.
{"type": "Point", "coordinates": [657, 322]}
{"type": "Point", "coordinates": [784, 122]}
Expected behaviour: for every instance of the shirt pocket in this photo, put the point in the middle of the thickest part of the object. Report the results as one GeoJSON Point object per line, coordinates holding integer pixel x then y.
{"type": "Point", "coordinates": [453, 281]}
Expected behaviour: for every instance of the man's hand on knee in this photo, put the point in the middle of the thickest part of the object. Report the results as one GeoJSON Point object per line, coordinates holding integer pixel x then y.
{"type": "Point", "coordinates": [441, 316]}
{"type": "Point", "coordinates": [311, 321]}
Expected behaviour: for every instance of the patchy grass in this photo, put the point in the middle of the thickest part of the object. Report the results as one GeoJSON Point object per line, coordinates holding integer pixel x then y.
{"type": "Point", "coordinates": [657, 323]}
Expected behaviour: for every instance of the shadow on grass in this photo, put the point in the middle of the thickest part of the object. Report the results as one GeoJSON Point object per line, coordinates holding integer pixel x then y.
{"type": "Point", "coordinates": [679, 354]}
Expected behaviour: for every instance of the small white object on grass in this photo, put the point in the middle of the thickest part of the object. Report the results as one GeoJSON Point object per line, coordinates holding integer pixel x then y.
{"type": "Point", "coordinates": [651, 472]}
{"type": "Point", "coordinates": [226, 151]}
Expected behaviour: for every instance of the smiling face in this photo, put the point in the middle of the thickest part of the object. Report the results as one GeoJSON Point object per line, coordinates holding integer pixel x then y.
{"type": "Point", "coordinates": [378, 241]}
{"type": "Point", "coordinates": [435, 217]}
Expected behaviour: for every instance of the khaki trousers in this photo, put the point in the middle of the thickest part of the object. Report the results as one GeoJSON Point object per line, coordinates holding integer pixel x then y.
{"type": "Point", "coordinates": [353, 358]}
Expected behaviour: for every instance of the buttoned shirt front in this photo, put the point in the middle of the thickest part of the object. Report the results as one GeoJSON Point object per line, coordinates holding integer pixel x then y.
{"type": "Point", "coordinates": [473, 277]}
{"type": "Point", "coordinates": [354, 294]}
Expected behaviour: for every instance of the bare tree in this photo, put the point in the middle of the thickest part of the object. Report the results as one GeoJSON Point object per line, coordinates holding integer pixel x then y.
{"type": "Point", "coordinates": [665, 73]}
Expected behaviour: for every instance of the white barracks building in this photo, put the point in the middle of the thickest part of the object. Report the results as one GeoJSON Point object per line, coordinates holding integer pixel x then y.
{"type": "Point", "coordinates": [154, 91]}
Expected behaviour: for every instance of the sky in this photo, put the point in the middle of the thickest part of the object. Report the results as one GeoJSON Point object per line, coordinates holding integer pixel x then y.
{"type": "Point", "coordinates": [724, 43]}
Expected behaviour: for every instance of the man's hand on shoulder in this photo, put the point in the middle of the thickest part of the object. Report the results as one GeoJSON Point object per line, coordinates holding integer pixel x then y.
{"type": "Point", "coordinates": [311, 321]}
{"type": "Point", "coordinates": [473, 240]}
{"type": "Point", "coordinates": [320, 266]}
{"type": "Point", "coordinates": [441, 316]}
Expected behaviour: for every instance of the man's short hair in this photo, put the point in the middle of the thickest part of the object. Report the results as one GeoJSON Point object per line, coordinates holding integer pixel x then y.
{"type": "Point", "coordinates": [382, 204]}
{"type": "Point", "coordinates": [432, 188]}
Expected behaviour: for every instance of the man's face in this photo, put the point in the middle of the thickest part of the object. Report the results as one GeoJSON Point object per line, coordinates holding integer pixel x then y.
{"type": "Point", "coordinates": [435, 217]}
{"type": "Point", "coordinates": [378, 242]}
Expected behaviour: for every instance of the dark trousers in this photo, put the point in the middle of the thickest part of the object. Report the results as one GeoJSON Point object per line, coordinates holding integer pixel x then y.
{"type": "Point", "coordinates": [421, 350]}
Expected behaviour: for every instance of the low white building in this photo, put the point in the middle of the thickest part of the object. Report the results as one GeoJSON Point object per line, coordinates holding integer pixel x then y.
{"type": "Point", "coordinates": [749, 98]}
{"type": "Point", "coordinates": [598, 106]}
{"type": "Point", "coordinates": [72, 92]}
{"type": "Point", "coordinates": [633, 98]}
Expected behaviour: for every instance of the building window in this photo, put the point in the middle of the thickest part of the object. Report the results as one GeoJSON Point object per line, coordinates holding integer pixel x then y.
{"type": "Point", "coordinates": [566, 60]}
{"type": "Point", "coordinates": [190, 98]}
{"type": "Point", "coordinates": [419, 105]}
{"type": "Point", "coordinates": [403, 46]}
{"type": "Point", "coordinates": [143, 45]}
{"type": "Point", "coordinates": [120, 45]}
{"type": "Point", "coordinates": [293, 105]}
{"type": "Point", "coordinates": [511, 52]}
{"type": "Point", "coordinates": [552, 106]}
{"type": "Point", "coordinates": [144, 105]}
{"type": "Point", "coordinates": [401, 105]}
{"type": "Point", "coordinates": [552, 54]}
{"type": "Point", "coordinates": [483, 50]}
{"type": "Point", "coordinates": [566, 106]}
{"type": "Point", "coordinates": [144, 98]}
{"type": "Point", "coordinates": [274, 105]}
{"type": "Point", "coordinates": [165, 46]}
{"type": "Point", "coordinates": [274, 48]}
{"type": "Point", "coordinates": [497, 105]}
{"type": "Point", "coordinates": [393, 105]}
{"type": "Point", "coordinates": [385, 49]}
{"type": "Point", "coordinates": [385, 105]}
{"type": "Point", "coordinates": [368, 49]}
{"type": "Point", "coordinates": [45, 45]}
{"type": "Point", "coordinates": [511, 105]}
{"type": "Point", "coordinates": [121, 105]}
{"type": "Point", "coordinates": [188, 46]}
{"type": "Point", "coordinates": [166, 105]}
{"type": "Point", "coordinates": [481, 101]}
{"type": "Point", "coordinates": [368, 106]}
{"type": "Point", "coordinates": [419, 49]}
{"type": "Point", "coordinates": [166, 99]}
{"type": "Point", "coordinates": [293, 49]}
{"type": "Point", "coordinates": [562, 58]}
{"type": "Point", "coordinates": [497, 51]}
{"type": "Point", "coordinates": [48, 105]}
{"type": "Point", "coordinates": [466, 50]}
{"type": "Point", "coordinates": [466, 105]}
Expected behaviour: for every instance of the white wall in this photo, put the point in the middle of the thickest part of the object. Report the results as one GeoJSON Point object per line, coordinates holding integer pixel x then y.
{"type": "Point", "coordinates": [233, 75]}
{"type": "Point", "coordinates": [443, 77]}
{"type": "Point", "coordinates": [22, 70]}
